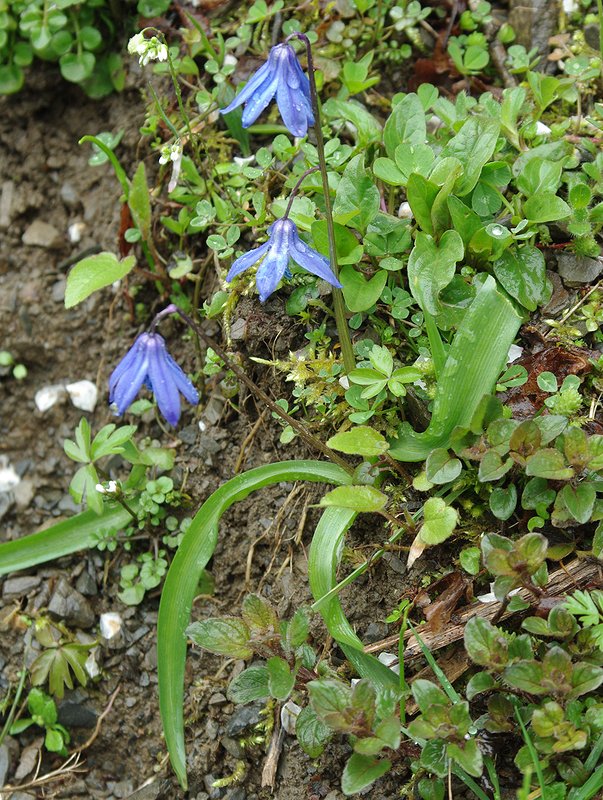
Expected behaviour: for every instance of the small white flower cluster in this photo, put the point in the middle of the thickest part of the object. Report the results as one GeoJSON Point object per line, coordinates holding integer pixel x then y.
{"type": "Point", "coordinates": [170, 152]}
{"type": "Point", "coordinates": [110, 488]}
{"type": "Point", "coordinates": [147, 49]}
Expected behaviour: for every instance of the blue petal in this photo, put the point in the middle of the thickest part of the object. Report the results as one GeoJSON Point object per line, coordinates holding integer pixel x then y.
{"type": "Point", "coordinates": [290, 104]}
{"type": "Point", "coordinates": [252, 85]}
{"type": "Point", "coordinates": [128, 362]}
{"type": "Point", "coordinates": [183, 384]}
{"type": "Point", "coordinates": [270, 273]}
{"type": "Point", "coordinates": [313, 262]}
{"type": "Point", "coordinates": [124, 390]}
{"type": "Point", "coordinates": [164, 387]}
{"type": "Point", "coordinates": [292, 95]}
{"type": "Point", "coordinates": [247, 260]}
{"type": "Point", "coordinates": [260, 99]}
{"type": "Point", "coordinates": [301, 80]}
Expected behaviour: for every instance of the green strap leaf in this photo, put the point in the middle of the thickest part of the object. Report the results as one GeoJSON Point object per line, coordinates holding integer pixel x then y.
{"type": "Point", "coordinates": [77, 533]}
{"type": "Point", "coordinates": [477, 354]}
{"type": "Point", "coordinates": [180, 587]}
{"type": "Point", "coordinates": [323, 559]}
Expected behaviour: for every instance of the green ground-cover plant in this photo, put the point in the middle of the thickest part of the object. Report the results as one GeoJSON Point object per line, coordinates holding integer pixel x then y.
{"type": "Point", "coordinates": [80, 36]}
{"type": "Point", "coordinates": [43, 713]}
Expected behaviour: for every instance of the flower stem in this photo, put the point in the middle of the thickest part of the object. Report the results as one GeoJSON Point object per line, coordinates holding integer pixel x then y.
{"type": "Point", "coordinates": [295, 189]}
{"type": "Point", "coordinates": [345, 341]}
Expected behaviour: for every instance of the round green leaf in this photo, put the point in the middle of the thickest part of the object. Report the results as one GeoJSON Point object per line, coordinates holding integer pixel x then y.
{"type": "Point", "coordinates": [358, 498]}
{"type": "Point", "coordinates": [93, 273]}
{"type": "Point", "coordinates": [546, 207]}
{"type": "Point", "coordinates": [522, 272]}
{"type": "Point", "coordinates": [77, 67]}
{"type": "Point", "coordinates": [360, 294]}
{"type": "Point", "coordinates": [360, 441]}
{"type": "Point", "coordinates": [439, 521]}
{"type": "Point", "coordinates": [441, 467]}
{"type": "Point", "coordinates": [11, 79]}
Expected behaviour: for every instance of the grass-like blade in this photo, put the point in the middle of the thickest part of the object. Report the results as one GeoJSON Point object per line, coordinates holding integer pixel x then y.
{"type": "Point", "coordinates": [323, 560]}
{"type": "Point", "coordinates": [76, 533]}
{"type": "Point", "coordinates": [183, 576]}
{"type": "Point", "coordinates": [476, 357]}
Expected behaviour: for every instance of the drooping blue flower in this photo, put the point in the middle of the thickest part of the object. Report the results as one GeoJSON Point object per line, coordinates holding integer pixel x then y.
{"type": "Point", "coordinates": [149, 362]}
{"type": "Point", "coordinates": [282, 76]}
{"type": "Point", "coordinates": [284, 244]}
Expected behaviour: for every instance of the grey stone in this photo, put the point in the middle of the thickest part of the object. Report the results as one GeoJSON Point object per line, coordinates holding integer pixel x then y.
{"type": "Point", "coordinates": [394, 563]}
{"type": "Point", "coordinates": [238, 793]}
{"type": "Point", "coordinates": [375, 631]}
{"type": "Point", "coordinates": [6, 501]}
{"type": "Point", "coordinates": [74, 714]}
{"type": "Point", "coordinates": [559, 298]}
{"type": "Point", "coordinates": [189, 434]}
{"type": "Point", "coordinates": [18, 587]}
{"type": "Point", "coordinates": [123, 788]}
{"type": "Point", "coordinates": [244, 717]}
{"type": "Point", "coordinates": [152, 791]}
{"type": "Point", "coordinates": [139, 633]}
{"type": "Point", "coordinates": [217, 699]}
{"type": "Point", "coordinates": [233, 747]}
{"type": "Point", "coordinates": [57, 291]}
{"type": "Point", "coordinates": [212, 729]}
{"type": "Point", "coordinates": [4, 763]}
{"type": "Point", "coordinates": [77, 788]}
{"type": "Point", "coordinates": [22, 796]}
{"type": "Point", "coordinates": [150, 660]}
{"type": "Point", "coordinates": [42, 234]}
{"type": "Point", "coordinates": [69, 195]}
{"type": "Point", "coordinates": [144, 680]}
{"type": "Point", "coordinates": [212, 791]}
{"type": "Point", "coordinates": [67, 503]}
{"type": "Point", "coordinates": [69, 605]}
{"type": "Point", "coordinates": [86, 584]}
{"type": "Point", "coordinates": [213, 410]}
{"type": "Point", "coordinates": [24, 493]}
{"type": "Point", "coordinates": [6, 203]}
{"type": "Point", "coordinates": [238, 329]}
{"type": "Point", "coordinates": [578, 269]}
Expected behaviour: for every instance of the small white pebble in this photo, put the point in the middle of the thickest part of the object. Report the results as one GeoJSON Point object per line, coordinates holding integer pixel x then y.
{"type": "Point", "coordinates": [344, 382]}
{"type": "Point", "coordinates": [46, 397]}
{"type": "Point", "coordinates": [110, 624]}
{"type": "Point", "coordinates": [83, 394]}
{"type": "Point", "coordinates": [91, 666]}
{"type": "Point", "coordinates": [514, 353]}
{"type": "Point", "coordinates": [289, 714]}
{"type": "Point", "coordinates": [8, 477]}
{"type": "Point", "coordinates": [202, 426]}
{"type": "Point", "coordinates": [75, 231]}
{"type": "Point", "coordinates": [388, 659]}
{"type": "Point", "coordinates": [491, 598]}
{"type": "Point", "coordinates": [542, 129]}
